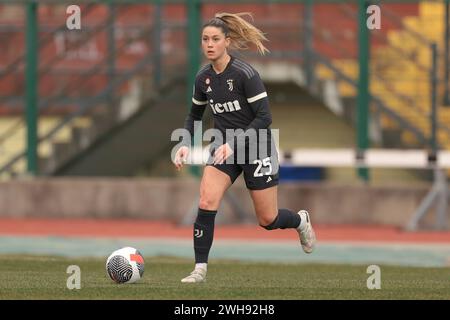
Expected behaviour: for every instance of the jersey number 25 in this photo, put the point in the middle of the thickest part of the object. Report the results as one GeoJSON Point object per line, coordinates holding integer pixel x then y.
{"type": "Point", "coordinates": [264, 163]}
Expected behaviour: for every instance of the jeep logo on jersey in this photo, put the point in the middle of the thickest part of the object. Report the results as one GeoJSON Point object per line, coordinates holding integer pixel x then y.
{"type": "Point", "coordinates": [224, 107]}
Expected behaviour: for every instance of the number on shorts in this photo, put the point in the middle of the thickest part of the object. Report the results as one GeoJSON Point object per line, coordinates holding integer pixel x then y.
{"type": "Point", "coordinates": [264, 163]}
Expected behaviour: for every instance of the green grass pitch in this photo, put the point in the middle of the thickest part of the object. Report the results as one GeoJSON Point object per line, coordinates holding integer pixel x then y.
{"type": "Point", "coordinates": [37, 277]}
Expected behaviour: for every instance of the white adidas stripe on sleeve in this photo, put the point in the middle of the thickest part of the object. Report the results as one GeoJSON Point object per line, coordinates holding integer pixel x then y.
{"type": "Point", "coordinates": [199, 103]}
{"type": "Point", "coordinates": [257, 97]}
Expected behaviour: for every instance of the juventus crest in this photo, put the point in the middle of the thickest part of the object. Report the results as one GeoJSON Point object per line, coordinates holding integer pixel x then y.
{"type": "Point", "coordinates": [230, 84]}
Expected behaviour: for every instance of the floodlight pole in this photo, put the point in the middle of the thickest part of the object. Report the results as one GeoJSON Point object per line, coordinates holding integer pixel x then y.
{"type": "Point", "coordinates": [439, 192]}
{"type": "Point", "coordinates": [447, 54]}
{"type": "Point", "coordinates": [156, 44]}
{"type": "Point", "coordinates": [433, 115]}
{"type": "Point", "coordinates": [363, 98]}
{"type": "Point", "coordinates": [193, 35]}
{"type": "Point", "coordinates": [111, 58]}
{"type": "Point", "coordinates": [31, 86]}
{"type": "Point", "coordinates": [308, 39]}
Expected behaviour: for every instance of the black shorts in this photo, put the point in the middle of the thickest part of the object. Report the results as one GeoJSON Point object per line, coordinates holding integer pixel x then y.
{"type": "Point", "coordinates": [259, 174]}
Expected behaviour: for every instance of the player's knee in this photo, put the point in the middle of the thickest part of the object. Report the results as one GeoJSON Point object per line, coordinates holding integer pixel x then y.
{"type": "Point", "coordinates": [208, 203]}
{"type": "Point", "coordinates": [265, 221]}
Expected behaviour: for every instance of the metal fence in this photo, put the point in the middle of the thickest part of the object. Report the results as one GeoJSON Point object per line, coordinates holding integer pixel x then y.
{"type": "Point", "coordinates": [45, 68]}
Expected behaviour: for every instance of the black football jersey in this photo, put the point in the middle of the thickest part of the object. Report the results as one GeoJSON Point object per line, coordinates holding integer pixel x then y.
{"type": "Point", "coordinates": [236, 96]}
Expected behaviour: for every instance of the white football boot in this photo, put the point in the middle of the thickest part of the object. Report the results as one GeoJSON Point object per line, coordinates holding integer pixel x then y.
{"type": "Point", "coordinates": [306, 232]}
{"type": "Point", "coordinates": [198, 275]}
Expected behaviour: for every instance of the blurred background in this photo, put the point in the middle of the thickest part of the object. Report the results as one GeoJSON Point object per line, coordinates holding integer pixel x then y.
{"type": "Point", "coordinates": [86, 114]}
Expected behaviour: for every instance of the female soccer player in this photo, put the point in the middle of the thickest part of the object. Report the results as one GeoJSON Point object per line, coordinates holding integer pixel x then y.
{"type": "Point", "coordinates": [238, 99]}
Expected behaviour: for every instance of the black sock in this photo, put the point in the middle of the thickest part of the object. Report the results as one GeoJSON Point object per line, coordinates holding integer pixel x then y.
{"type": "Point", "coordinates": [203, 234]}
{"type": "Point", "coordinates": [285, 219]}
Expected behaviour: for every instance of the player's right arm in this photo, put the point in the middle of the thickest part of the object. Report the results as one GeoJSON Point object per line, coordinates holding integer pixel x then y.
{"type": "Point", "coordinates": [198, 107]}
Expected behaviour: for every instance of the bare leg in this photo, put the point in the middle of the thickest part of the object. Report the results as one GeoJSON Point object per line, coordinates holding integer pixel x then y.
{"type": "Point", "coordinates": [212, 188]}
{"type": "Point", "coordinates": [265, 204]}
{"type": "Point", "coordinates": [270, 217]}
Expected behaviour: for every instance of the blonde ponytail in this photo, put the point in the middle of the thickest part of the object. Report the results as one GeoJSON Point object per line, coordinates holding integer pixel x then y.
{"type": "Point", "coordinates": [241, 32]}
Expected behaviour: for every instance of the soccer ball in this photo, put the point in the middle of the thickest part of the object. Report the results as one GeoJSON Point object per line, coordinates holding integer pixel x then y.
{"type": "Point", "coordinates": [125, 265]}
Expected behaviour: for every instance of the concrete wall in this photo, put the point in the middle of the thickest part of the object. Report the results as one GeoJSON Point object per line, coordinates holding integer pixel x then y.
{"type": "Point", "coordinates": [174, 198]}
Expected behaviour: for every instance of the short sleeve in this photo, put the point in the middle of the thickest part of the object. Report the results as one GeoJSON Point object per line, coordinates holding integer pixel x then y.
{"type": "Point", "coordinates": [198, 96]}
{"type": "Point", "coordinates": [254, 88]}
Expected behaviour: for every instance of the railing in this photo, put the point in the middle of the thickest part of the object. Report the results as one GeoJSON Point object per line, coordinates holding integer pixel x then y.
{"type": "Point", "coordinates": [381, 106]}
{"type": "Point", "coordinates": [421, 109]}
{"type": "Point", "coordinates": [82, 105]}
{"type": "Point", "coordinates": [290, 41]}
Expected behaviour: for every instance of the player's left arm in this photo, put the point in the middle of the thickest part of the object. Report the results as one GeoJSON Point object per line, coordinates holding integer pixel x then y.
{"type": "Point", "coordinates": [257, 98]}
